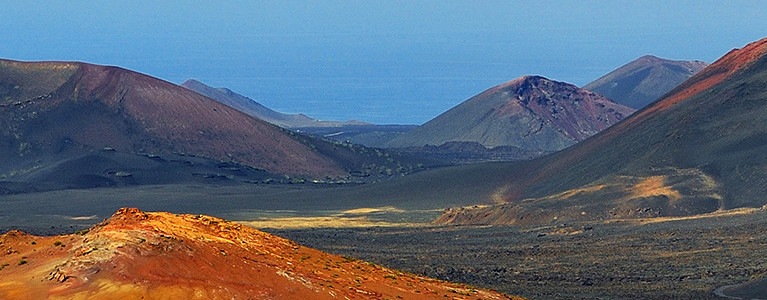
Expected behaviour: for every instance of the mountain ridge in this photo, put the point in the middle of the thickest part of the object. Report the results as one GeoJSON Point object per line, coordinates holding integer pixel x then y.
{"type": "Point", "coordinates": [258, 110]}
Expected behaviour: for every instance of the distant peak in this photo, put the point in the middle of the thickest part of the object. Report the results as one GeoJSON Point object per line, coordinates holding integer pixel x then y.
{"type": "Point", "coordinates": [190, 82]}
{"type": "Point", "coordinates": [531, 78]}
{"type": "Point", "coordinates": [524, 84]}
{"type": "Point", "coordinates": [650, 57]}
{"type": "Point", "coordinates": [527, 80]}
{"type": "Point", "coordinates": [652, 60]}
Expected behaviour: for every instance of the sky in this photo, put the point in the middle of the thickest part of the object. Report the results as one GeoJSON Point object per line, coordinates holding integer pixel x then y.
{"type": "Point", "coordinates": [385, 62]}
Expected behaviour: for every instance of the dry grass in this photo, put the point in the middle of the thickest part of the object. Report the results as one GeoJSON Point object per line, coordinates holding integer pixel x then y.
{"type": "Point", "coordinates": [372, 210]}
{"type": "Point", "coordinates": [716, 214]}
{"type": "Point", "coordinates": [350, 218]}
{"type": "Point", "coordinates": [319, 222]}
{"type": "Point", "coordinates": [654, 186]}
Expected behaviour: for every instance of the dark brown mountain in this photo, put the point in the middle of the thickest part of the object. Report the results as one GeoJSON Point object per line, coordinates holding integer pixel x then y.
{"type": "Point", "coordinates": [698, 150]}
{"type": "Point", "coordinates": [531, 113]}
{"type": "Point", "coordinates": [644, 80]}
{"type": "Point", "coordinates": [138, 255]}
{"type": "Point", "coordinates": [255, 109]}
{"type": "Point", "coordinates": [83, 122]}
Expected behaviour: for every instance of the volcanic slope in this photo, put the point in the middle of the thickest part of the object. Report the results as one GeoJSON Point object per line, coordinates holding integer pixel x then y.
{"type": "Point", "coordinates": [159, 255]}
{"type": "Point", "coordinates": [255, 109]}
{"type": "Point", "coordinates": [644, 80]}
{"type": "Point", "coordinates": [530, 112]}
{"type": "Point", "coordinates": [698, 150]}
{"type": "Point", "coordinates": [52, 113]}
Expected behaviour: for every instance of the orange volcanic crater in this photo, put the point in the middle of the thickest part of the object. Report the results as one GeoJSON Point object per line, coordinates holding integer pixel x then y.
{"type": "Point", "coordinates": [160, 255]}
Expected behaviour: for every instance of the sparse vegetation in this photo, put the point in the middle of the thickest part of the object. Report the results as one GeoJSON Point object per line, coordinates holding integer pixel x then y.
{"type": "Point", "coordinates": [671, 259]}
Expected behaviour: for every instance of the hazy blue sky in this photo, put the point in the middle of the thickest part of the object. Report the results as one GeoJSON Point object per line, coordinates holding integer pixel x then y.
{"type": "Point", "coordinates": [380, 61]}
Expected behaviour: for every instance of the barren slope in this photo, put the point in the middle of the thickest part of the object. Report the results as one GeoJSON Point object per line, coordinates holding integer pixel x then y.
{"type": "Point", "coordinates": [52, 108]}
{"type": "Point", "coordinates": [695, 151]}
{"type": "Point", "coordinates": [644, 80]}
{"type": "Point", "coordinates": [531, 112]}
{"type": "Point", "coordinates": [165, 256]}
{"type": "Point", "coordinates": [55, 113]}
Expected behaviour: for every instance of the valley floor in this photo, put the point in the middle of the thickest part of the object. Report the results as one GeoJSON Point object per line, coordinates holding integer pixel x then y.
{"type": "Point", "coordinates": [684, 258]}
{"type": "Point", "coordinates": [674, 259]}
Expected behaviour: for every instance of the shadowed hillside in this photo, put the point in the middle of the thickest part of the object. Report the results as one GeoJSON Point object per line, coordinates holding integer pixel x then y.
{"type": "Point", "coordinates": [644, 80]}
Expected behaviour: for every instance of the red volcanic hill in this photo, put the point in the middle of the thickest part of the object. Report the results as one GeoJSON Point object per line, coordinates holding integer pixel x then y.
{"type": "Point", "coordinates": [699, 149]}
{"type": "Point", "coordinates": [47, 107]}
{"type": "Point", "coordinates": [74, 125]}
{"type": "Point", "coordinates": [138, 255]}
{"type": "Point", "coordinates": [644, 80]}
{"type": "Point", "coordinates": [531, 112]}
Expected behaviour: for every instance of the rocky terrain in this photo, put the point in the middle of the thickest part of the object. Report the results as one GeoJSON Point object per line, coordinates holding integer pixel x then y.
{"type": "Point", "coordinates": [695, 151]}
{"type": "Point", "coordinates": [530, 113]}
{"type": "Point", "coordinates": [135, 254]}
{"type": "Point", "coordinates": [657, 258]}
{"type": "Point", "coordinates": [644, 80]}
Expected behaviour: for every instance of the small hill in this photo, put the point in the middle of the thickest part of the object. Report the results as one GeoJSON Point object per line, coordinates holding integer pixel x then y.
{"type": "Point", "coordinates": [139, 255]}
{"type": "Point", "coordinates": [77, 125]}
{"type": "Point", "coordinates": [644, 80]}
{"type": "Point", "coordinates": [530, 112]}
{"type": "Point", "coordinates": [697, 150]}
{"type": "Point", "coordinates": [255, 109]}
{"type": "Point", "coordinates": [51, 109]}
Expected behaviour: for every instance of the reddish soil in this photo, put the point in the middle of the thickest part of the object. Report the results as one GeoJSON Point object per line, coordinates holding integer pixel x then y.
{"type": "Point", "coordinates": [161, 255]}
{"type": "Point", "coordinates": [725, 67]}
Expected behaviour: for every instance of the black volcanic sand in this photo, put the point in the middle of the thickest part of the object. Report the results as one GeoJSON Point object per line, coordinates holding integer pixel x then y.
{"type": "Point", "coordinates": [423, 191]}
{"type": "Point", "coordinates": [679, 259]}
{"type": "Point", "coordinates": [623, 260]}
{"type": "Point", "coordinates": [66, 211]}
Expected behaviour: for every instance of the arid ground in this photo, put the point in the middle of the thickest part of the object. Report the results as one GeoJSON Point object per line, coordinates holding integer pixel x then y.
{"type": "Point", "coordinates": [651, 259]}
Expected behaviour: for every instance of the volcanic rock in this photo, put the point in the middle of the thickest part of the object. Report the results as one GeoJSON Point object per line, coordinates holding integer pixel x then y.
{"type": "Point", "coordinates": [135, 254]}
{"type": "Point", "coordinates": [530, 112]}
{"type": "Point", "coordinates": [697, 150]}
